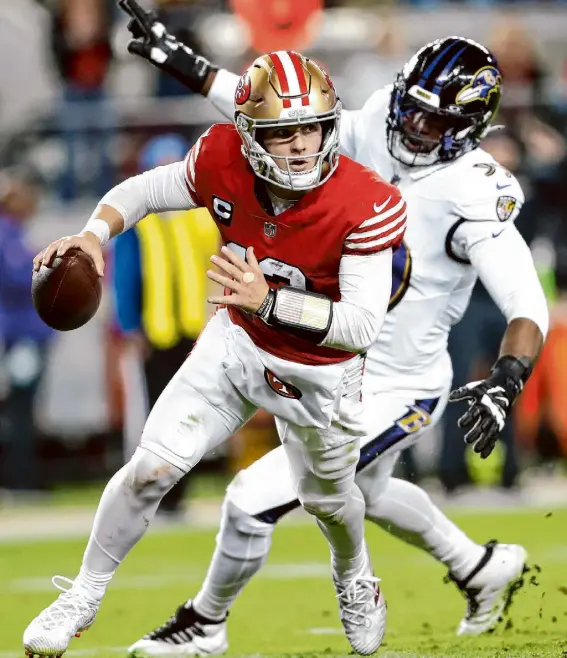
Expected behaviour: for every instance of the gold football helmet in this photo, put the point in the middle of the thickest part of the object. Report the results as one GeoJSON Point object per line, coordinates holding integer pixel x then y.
{"type": "Point", "coordinates": [285, 88]}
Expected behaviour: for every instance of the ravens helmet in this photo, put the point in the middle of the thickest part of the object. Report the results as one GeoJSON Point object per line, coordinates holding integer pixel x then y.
{"type": "Point", "coordinates": [443, 102]}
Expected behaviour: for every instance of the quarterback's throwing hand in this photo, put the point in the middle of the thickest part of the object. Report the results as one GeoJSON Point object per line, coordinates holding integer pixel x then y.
{"type": "Point", "coordinates": [244, 278]}
{"type": "Point", "coordinates": [87, 242]}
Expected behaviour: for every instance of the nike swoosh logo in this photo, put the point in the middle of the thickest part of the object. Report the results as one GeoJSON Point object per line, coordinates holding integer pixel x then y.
{"type": "Point", "coordinates": [503, 187]}
{"type": "Point", "coordinates": [378, 209]}
{"type": "Point", "coordinates": [495, 235]}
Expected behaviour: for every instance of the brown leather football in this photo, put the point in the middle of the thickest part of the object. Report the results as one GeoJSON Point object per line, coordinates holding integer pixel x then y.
{"type": "Point", "coordinates": [67, 294]}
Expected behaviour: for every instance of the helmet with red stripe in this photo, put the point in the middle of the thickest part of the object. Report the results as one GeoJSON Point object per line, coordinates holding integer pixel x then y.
{"type": "Point", "coordinates": [285, 88]}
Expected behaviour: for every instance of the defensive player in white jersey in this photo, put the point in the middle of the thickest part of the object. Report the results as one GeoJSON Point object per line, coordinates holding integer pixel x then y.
{"type": "Point", "coordinates": [424, 134]}
{"type": "Point", "coordinates": [308, 278]}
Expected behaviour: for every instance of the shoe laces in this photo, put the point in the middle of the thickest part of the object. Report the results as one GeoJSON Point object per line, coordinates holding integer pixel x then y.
{"type": "Point", "coordinates": [68, 605]}
{"type": "Point", "coordinates": [357, 598]}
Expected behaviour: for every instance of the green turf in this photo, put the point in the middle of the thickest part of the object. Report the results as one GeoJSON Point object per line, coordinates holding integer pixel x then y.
{"type": "Point", "coordinates": [202, 485]}
{"type": "Point", "coordinates": [277, 613]}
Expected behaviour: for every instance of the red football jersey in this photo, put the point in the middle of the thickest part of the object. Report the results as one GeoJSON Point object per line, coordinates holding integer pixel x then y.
{"type": "Point", "coordinates": [355, 212]}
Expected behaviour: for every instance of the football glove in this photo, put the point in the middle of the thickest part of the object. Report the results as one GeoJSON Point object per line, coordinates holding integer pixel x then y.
{"type": "Point", "coordinates": [490, 401]}
{"type": "Point", "coordinates": [153, 43]}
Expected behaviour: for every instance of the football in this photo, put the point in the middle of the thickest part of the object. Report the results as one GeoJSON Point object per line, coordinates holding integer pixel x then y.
{"type": "Point", "coordinates": [67, 294]}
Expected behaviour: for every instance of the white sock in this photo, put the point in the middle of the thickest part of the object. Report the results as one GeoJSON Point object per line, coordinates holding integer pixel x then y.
{"type": "Point", "coordinates": [242, 547]}
{"type": "Point", "coordinates": [126, 507]}
{"type": "Point", "coordinates": [92, 583]}
{"type": "Point", "coordinates": [406, 511]}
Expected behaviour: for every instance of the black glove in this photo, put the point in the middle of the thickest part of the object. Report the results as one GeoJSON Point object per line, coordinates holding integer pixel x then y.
{"type": "Point", "coordinates": [490, 401]}
{"type": "Point", "coordinates": [153, 43]}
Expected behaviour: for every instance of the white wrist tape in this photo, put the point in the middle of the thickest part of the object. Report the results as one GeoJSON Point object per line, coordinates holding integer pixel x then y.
{"type": "Point", "coordinates": [302, 310]}
{"type": "Point", "coordinates": [100, 228]}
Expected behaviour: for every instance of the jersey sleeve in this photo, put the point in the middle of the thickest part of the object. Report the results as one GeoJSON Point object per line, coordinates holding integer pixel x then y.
{"type": "Point", "coordinates": [194, 169]}
{"type": "Point", "coordinates": [383, 230]}
{"type": "Point", "coordinates": [506, 268]}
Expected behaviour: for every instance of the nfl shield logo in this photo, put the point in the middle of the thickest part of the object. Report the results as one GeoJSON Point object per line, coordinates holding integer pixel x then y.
{"type": "Point", "coordinates": [270, 229]}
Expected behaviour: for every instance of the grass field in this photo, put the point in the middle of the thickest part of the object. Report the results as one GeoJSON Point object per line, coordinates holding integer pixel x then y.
{"type": "Point", "coordinates": [290, 608]}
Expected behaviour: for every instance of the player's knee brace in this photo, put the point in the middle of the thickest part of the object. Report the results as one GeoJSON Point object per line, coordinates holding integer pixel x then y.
{"type": "Point", "coordinates": [150, 477]}
{"type": "Point", "coordinates": [242, 536]}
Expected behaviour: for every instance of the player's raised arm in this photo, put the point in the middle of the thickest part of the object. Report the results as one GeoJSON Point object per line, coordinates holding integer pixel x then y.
{"type": "Point", "coordinates": [153, 43]}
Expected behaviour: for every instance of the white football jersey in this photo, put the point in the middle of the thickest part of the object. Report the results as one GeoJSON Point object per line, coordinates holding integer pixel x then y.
{"type": "Point", "coordinates": [451, 207]}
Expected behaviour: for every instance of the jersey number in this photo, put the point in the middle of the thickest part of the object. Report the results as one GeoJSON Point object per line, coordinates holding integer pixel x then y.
{"type": "Point", "coordinates": [276, 270]}
{"type": "Point", "coordinates": [491, 169]}
{"type": "Point", "coordinates": [285, 274]}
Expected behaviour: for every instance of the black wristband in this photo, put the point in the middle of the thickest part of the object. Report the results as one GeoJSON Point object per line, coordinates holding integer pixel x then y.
{"type": "Point", "coordinates": [264, 312]}
{"type": "Point", "coordinates": [513, 368]}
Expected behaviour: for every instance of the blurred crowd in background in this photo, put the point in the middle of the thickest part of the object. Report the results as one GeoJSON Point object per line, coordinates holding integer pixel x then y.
{"type": "Point", "coordinates": [78, 114]}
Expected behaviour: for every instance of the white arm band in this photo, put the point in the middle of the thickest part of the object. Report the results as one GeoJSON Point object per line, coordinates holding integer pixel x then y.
{"type": "Point", "coordinates": [365, 283]}
{"type": "Point", "coordinates": [98, 227]}
{"type": "Point", "coordinates": [156, 190]}
{"type": "Point", "coordinates": [506, 268]}
{"type": "Point", "coordinates": [352, 324]}
{"type": "Point", "coordinates": [222, 91]}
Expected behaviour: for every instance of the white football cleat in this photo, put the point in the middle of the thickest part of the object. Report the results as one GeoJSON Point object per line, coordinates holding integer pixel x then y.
{"type": "Point", "coordinates": [362, 610]}
{"type": "Point", "coordinates": [186, 633]}
{"type": "Point", "coordinates": [490, 587]}
{"type": "Point", "coordinates": [68, 616]}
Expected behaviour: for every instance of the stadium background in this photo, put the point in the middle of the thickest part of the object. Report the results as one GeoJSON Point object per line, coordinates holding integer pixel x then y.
{"type": "Point", "coordinates": [80, 125]}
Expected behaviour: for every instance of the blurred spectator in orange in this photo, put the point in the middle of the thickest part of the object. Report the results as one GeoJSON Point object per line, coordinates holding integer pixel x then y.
{"type": "Point", "coordinates": [23, 336]}
{"type": "Point", "coordinates": [541, 413]}
{"type": "Point", "coordinates": [279, 24]}
{"type": "Point", "coordinates": [80, 41]}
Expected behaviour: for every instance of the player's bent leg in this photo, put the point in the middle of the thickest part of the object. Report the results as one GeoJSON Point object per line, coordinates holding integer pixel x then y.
{"type": "Point", "coordinates": [198, 410]}
{"type": "Point", "coordinates": [129, 499]}
{"type": "Point", "coordinates": [487, 575]}
{"type": "Point", "coordinates": [256, 499]}
{"type": "Point", "coordinates": [323, 466]}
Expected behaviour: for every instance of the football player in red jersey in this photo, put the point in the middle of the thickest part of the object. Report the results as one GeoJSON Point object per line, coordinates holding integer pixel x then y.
{"type": "Point", "coordinates": [307, 270]}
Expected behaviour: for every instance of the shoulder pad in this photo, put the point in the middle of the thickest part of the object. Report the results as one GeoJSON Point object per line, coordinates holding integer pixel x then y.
{"type": "Point", "coordinates": [484, 190]}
